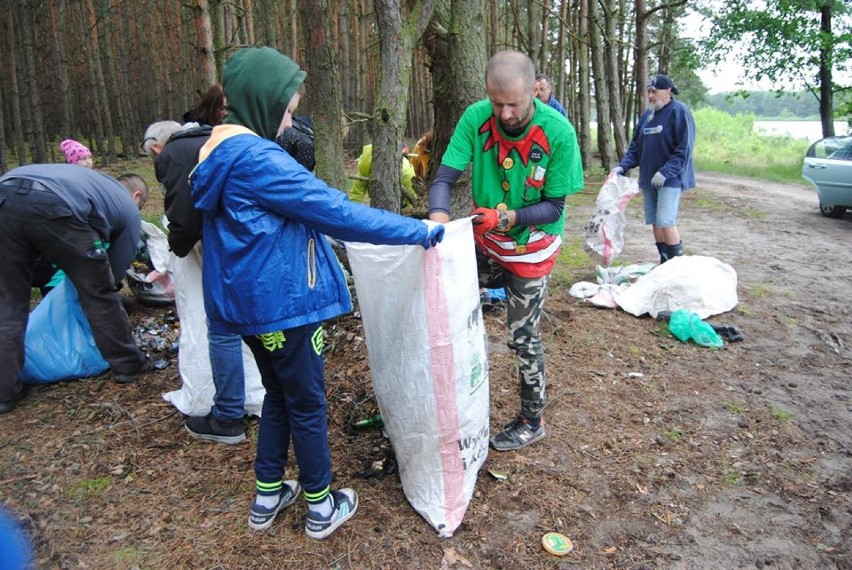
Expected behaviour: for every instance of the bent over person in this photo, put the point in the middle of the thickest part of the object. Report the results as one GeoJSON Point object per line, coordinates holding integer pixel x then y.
{"type": "Point", "coordinates": [270, 275]}
{"type": "Point", "coordinates": [86, 224]}
{"type": "Point", "coordinates": [525, 161]}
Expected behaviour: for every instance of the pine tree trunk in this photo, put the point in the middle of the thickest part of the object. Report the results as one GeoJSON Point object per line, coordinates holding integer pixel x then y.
{"type": "Point", "coordinates": [398, 35]}
{"type": "Point", "coordinates": [611, 70]}
{"type": "Point", "coordinates": [584, 87]}
{"type": "Point", "coordinates": [602, 95]}
{"type": "Point", "coordinates": [323, 90]}
{"type": "Point", "coordinates": [456, 42]}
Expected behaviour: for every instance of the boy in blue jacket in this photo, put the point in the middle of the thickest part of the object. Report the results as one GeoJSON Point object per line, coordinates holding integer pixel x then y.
{"type": "Point", "coordinates": [271, 276]}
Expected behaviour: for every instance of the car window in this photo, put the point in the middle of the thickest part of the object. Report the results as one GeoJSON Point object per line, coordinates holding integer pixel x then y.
{"type": "Point", "coordinates": [844, 152]}
{"type": "Point", "coordinates": [836, 148]}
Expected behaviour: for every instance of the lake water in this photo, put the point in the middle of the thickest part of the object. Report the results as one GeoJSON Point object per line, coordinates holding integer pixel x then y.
{"type": "Point", "coordinates": [811, 130]}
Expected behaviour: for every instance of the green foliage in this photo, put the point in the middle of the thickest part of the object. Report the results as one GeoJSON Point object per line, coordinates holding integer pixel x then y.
{"type": "Point", "coordinates": [768, 104]}
{"type": "Point", "coordinates": [784, 41]}
{"type": "Point", "coordinates": [726, 143]}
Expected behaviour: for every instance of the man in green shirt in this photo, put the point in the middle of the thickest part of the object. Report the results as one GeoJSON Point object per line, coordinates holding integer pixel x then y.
{"type": "Point", "coordinates": [525, 160]}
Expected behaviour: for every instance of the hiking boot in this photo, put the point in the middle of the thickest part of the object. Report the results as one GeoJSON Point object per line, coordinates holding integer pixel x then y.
{"type": "Point", "coordinates": [210, 428]}
{"type": "Point", "coordinates": [517, 434]}
{"type": "Point", "coordinates": [344, 504]}
{"type": "Point", "coordinates": [261, 518]}
{"type": "Point", "coordinates": [147, 366]}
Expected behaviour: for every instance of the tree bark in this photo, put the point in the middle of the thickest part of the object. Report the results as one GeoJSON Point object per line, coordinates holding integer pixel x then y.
{"type": "Point", "coordinates": [398, 34]}
{"type": "Point", "coordinates": [602, 103]}
{"type": "Point", "coordinates": [826, 83]}
{"type": "Point", "coordinates": [323, 91]}
{"type": "Point", "coordinates": [456, 42]}
{"type": "Point", "coordinates": [584, 87]}
{"type": "Point", "coordinates": [203, 27]}
{"type": "Point", "coordinates": [611, 69]}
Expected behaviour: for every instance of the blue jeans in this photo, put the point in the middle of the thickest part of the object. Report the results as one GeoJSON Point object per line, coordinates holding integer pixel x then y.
{"type": "Point", "coordinates": [661, 205]}
{"type": "Point", "coordinates": [226, 362]}
{"type": "Point", "coordinates": [291, 368]}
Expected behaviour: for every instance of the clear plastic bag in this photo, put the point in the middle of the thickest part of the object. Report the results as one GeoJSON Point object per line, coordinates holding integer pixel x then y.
{"type": "Point", "coordinates": [603, 235]}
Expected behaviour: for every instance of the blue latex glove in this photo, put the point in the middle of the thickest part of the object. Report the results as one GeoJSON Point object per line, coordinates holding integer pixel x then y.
{"type": "Point", "coordinates": [435, 236]}
{"type": "Point", "coordinates": [658, 180]}
{"type": "Point", "coordinates": [617, 170]}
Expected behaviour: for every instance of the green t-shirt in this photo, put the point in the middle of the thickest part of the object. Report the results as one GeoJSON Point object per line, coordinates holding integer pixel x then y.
{"type": "Point", "coordinates": [543, 162]}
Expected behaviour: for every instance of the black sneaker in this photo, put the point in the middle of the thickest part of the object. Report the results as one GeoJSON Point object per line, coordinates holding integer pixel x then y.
{"type": "Point", "coordinates": [209, 428]}
{"type": "Point", "coordinates": [147, 366]}
{"type": "Point", "coordinates": [517, 434]}
{"type": "Point", "coordinates": [344, 505]}
{"type": "Point", "coordinates": [261, 518]}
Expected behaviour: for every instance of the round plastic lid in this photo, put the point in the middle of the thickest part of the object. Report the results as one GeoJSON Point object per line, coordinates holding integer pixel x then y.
{"type": "Point", "coordinates": [557, 544]}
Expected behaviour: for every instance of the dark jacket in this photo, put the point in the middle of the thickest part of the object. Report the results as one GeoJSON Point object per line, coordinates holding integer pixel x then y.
{"type": "Point", "coordinates": [663, 142]}
{"type": "Point", "coordinates": [95, 199]}
{"type": "Point", "coordinates": [172, 167]}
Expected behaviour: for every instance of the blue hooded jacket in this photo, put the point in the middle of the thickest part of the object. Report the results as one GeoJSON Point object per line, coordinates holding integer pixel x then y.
{"type": "Point", "coordinates": [267, 264]}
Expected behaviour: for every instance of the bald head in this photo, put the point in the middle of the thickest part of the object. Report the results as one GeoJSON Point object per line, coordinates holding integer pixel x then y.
{"type": "Point", "coordinates": [510, 85]}
{"type": "Point", "coordinates": [508, 68]}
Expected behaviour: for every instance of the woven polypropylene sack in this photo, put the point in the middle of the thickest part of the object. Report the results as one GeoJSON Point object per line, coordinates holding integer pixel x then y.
{"type": "Point", "coordinates": [426, 344]}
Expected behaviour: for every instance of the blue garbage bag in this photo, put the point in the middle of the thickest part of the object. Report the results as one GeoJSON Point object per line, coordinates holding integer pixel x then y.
{"type": "Point", "coordinates": [59, 344]}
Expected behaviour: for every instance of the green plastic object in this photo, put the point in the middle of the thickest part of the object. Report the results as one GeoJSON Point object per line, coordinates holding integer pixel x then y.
{"type": "Point", "coordinates": [687, 325]}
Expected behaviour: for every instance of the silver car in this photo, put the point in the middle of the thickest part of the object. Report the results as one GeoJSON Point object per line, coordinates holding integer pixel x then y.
{"type": "Point", "coordinates": [828, 166]}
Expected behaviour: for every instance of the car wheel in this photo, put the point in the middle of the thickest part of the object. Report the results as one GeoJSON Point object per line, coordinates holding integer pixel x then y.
{"type": "Point", "coordinates": [832, 211]}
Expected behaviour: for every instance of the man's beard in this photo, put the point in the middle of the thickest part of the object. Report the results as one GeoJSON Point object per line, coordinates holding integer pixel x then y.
{"type": "Point", "coordinates": [518, 128]}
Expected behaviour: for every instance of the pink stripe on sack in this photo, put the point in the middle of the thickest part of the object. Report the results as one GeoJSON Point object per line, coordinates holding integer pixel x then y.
{"type": "Point", "coordinates": [442, 369]}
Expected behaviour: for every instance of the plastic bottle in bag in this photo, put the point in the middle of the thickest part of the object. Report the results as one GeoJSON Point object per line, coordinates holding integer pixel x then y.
{"type": "Point", "coordinates": [687, 325]}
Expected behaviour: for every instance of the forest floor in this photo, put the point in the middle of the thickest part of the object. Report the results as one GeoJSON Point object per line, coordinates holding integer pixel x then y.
{"type": "Point", "coordinates": [659, 454]}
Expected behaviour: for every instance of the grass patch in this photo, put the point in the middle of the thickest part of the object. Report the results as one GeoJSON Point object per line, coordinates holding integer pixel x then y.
{"type": "Point", "coordinates": [781, 414]}
{"type": "Point", "coordinates": [760, 290]}
{"type": "Point", "coordinates": [126, 554]}
{"type": "Point", "coordinates": [674, 435]}
{"type": "Point", "coordinates": [89, 487]}
{"type": "Point", "coordinates": [728, 144]}
{"type": "Point", "coordinates": [732, 478]}
{"type": "Point", "coordinates": [733, 408]}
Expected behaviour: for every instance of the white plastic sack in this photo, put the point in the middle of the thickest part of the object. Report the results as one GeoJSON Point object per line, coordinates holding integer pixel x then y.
{"type": "Point", "coordinates": [603, 236]}
{"type": "Point", "coordinates": [703, 285]}
{"type": "Point", "coordinates": [426, 344]}
{"type": "Point", "coordinates": [195, 397]}
{"type": "Point", "coordinates": [155, 287]}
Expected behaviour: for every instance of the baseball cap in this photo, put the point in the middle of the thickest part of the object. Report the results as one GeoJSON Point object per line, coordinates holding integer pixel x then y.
{"type": "Point", "coordinates": [660, 81]}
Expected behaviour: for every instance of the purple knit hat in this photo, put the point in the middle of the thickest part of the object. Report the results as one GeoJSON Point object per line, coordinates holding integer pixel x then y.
{"type": "Point", "coordinates": [74, 152]}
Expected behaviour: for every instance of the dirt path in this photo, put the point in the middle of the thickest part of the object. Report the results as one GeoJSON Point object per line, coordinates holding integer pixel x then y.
{"type": "Point", "coordinates": [659, 454]}
{"type": "Point", "coordinates": [787, 497]}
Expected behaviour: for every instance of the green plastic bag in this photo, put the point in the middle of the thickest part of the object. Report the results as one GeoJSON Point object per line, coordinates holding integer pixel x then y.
{"type": "Point", "coordinates": [687, 325]}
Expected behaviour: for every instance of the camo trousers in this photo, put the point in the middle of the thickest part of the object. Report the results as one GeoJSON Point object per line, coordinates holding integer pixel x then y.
{"type": "Point", "coordinates": [525, 303]}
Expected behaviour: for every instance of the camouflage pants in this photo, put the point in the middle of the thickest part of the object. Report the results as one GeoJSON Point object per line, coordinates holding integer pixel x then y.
{"type": "Point", "coordinates": [525, 301]}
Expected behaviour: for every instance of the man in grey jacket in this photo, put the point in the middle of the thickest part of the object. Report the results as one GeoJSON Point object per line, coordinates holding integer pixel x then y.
{"type": "Point", "coordinates": [86, 223]}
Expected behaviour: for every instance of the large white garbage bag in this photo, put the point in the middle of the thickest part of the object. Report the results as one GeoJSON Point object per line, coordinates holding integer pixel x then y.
{"type": "Point", "coordinates": [195, 397]}
{"type": "Point", "coordinates": [426, 343]}
{"type": "Point", "coordinates": [703, 285]}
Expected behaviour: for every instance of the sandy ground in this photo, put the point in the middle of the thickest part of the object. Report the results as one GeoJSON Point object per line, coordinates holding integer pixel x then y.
{"type": "Point", "coordinates": [659, 454]}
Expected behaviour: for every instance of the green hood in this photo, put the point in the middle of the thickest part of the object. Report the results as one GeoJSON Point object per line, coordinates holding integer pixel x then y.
{"type": "Point", "coordinates": [258, 85]}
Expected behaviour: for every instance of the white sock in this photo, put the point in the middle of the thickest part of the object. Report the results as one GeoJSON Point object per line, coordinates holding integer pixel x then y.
{"type": "Point", "coordinates": [268, 501]}
{"type": "Point", "coordinates": [323, 509]}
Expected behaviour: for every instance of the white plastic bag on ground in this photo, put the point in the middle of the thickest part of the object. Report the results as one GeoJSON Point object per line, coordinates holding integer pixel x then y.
{"type": "Point", "coordinates": [703, 285]}
{"type": "Point", "coordinates": [427, 348]}
{"type": "Point", "coordinates": [154, 287]}
{"type": "Point", "coordinates": [195, 397]}
{"type": "Point", "coordinates": [603, 236]}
